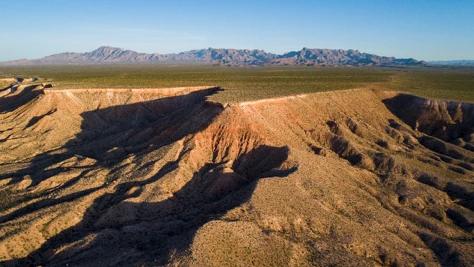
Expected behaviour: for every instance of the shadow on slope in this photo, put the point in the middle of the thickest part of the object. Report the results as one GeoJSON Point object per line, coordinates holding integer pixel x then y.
{"type": "Point", "coordinates": [156, 231]}
{"type": "Point", "coordinates": [10, 103]}
{"type": "Point", "coordinates": [108, 136]}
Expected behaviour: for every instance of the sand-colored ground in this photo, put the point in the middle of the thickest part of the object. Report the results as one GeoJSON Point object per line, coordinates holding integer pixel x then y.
{"type": "Point", "coordinates": [157, 177]}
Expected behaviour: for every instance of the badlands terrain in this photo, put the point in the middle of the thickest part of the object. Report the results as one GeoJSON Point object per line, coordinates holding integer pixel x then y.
{"type": "Point", "coordinates": [146, 177]}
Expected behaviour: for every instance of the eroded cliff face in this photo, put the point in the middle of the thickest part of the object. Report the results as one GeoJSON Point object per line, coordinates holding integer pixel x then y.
{"type": "Point", "coordinates": [156, 177]}
{"type": "Point", "coordinates": [448, 120]}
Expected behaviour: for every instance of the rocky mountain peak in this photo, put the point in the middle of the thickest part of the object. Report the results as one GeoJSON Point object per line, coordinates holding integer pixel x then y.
{"type": "Point", "coordinates": [225, 56]}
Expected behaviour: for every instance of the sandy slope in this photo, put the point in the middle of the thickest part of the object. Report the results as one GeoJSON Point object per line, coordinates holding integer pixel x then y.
{"type": "Point", "coordinates": [155, 177]}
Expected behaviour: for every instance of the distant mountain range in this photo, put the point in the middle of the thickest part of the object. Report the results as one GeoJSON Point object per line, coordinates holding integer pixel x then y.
{"type": "Point", "coordinates": [457, 63]}
{"type": "Point", "coordinates": [231, 57]}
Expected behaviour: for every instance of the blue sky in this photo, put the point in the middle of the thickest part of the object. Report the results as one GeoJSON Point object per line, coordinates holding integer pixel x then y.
{"type": "Point", "coordinates": [428, 30]}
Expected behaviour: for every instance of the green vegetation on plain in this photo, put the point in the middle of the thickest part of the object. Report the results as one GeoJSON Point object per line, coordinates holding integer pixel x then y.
{"type": "Point", "coordinates": [250, 83]}
{"type": "Point", "coordinates": [455, 84]}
